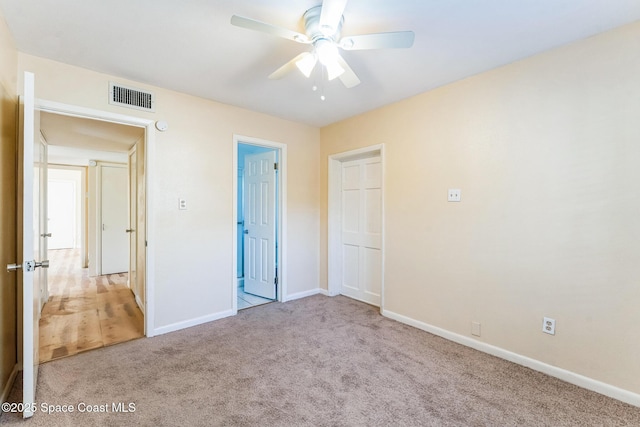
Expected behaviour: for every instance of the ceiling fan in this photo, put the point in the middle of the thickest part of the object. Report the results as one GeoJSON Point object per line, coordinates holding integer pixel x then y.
{"type": "Point", "coordinates": [323, 25]}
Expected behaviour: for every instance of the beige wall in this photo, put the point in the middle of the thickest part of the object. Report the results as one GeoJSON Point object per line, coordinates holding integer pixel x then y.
{"type": "Point", "coordinates": [547, 154]}
{"type": "Point", "coordinates": [8, 102]}
{"type": "Point", "coordinates": [193, 160]}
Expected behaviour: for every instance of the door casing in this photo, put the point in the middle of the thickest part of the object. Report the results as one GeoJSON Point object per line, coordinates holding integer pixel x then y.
{"type": "Point", "coordinates": [149, 163]}
{"type": "Point", "coordinates": [334, 237]}
{"type": "Point", "coordinates": [281, 235]}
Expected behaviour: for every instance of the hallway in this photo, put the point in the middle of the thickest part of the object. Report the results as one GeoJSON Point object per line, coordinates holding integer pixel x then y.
{"type": "Point", "coordinates": [83, 312]}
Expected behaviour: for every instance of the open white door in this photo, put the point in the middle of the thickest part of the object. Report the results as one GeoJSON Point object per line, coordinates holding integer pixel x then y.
{"type": "Point", "coordinates": [41, 211]}
{"type": "Point", "coordinates": [260, 224]}
{"type": "Point", "coordinates": [61, 213]}
{"type": "Point", "coordinates": [133, 218]}
{"type": "Point", "coordinates": [33, 171]}
{"type": "Point", "coordinates": [114, 212]}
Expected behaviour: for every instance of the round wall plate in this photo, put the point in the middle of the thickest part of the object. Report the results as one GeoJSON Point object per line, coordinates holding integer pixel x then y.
{"type": "Point", "coordinates": [162, 126]}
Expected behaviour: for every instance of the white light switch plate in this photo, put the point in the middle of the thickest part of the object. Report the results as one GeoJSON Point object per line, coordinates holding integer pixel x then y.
{"type": "Point", "coordinates": [453, 195]}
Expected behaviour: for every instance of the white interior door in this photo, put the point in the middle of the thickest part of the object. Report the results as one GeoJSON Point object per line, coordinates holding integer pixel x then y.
{"type": "Point", "coordinates": [361, 229]}
{"type": "Point", "coordinates": [133, 218]}
{"type": "Point", "coordinates": [40, 205]}
{"type": "Point", "coordinates": [114, 208]}
{"type": "Point", "coordinates": [260, 224]}
{"type": "Point", "coordinates": [62, 214]}
{"type": "Point", "coordinates": [33, 172]}
{"type": "Point", "coordinates": [240, 225]}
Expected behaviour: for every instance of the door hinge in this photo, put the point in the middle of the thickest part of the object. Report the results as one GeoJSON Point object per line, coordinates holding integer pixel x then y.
{"type": "Point", "coordinates": [275, 166]}
{"type": "Point", "coordinates": [275, 279]}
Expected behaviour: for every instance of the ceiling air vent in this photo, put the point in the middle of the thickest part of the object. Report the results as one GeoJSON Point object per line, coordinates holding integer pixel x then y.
{"type": "Point", "coordinates": [131, 97]}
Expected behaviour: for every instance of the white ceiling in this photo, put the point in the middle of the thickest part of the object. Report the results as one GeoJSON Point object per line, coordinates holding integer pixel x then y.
{"type": "Point", "coordinates": [190, 46]}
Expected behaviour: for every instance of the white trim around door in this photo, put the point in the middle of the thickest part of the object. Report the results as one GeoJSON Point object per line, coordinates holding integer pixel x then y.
{"type": "Point", "coordinates": [334, 238]}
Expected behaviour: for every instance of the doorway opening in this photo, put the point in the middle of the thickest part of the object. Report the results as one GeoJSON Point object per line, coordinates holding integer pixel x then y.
{"type": "Point", "coordinates": [258, 188]}
{"type": "Point", "coordinates": [94, 295]}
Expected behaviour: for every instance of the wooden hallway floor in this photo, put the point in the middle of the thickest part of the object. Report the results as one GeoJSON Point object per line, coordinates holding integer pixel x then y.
{"type": "Point", "coordinates": [84, 312]}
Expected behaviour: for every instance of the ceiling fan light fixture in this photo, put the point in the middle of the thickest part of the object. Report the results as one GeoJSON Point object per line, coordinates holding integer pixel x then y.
{"type": "Point", "coordinates": [322, 29]}
{"type": "Point", "coordinates": [306, 64]}
{"type": "Point", "coordinates": [327, 52]}
{"type": "Point", "coordinates": [327, 30]}
{"type": "Point", "coordinates": [334, 70]}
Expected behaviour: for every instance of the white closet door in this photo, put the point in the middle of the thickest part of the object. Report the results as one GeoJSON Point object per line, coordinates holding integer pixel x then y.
{"type": "Point", "coordinates": [362, 229]}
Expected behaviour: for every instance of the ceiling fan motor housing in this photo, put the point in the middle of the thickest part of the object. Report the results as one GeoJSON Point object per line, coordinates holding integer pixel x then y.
{"type": "Point", "coordinates": [313, 29]}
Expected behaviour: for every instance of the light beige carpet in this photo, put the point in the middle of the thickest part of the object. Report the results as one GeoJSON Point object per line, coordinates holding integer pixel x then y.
{"type": "Point", "coordinates": [317, 361]}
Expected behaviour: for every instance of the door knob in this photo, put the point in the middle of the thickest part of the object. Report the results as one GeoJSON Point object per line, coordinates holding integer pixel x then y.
{"type": "Point", "coordinates": [13, 267]}
{"type": "Point", "coordinates": [46, 235]}
{"type": "Point", "coordinates": [29, 265]}
{"type": "Point", "coordinates": [129, 230]}
{"type": "Point", "coordinates": [246, 231]}
{"type": "Point", "coordinates": [43, 264]}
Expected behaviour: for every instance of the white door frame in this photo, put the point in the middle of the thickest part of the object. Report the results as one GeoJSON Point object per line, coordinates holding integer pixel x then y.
{"type": "Point", "coordinates": [282, 215]}
{"type": "Point", "coordinates": [334, 213]}
{"type": "Point", "coordinates": [150, 149]}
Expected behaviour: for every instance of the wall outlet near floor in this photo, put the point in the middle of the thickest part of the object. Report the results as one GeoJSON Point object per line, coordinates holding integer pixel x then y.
{"type": "Point", "coordinates": [475, 329]}
{"type": "Point", "coordinates": [453, 195]}
{"type": "Point", "coordinates": [549, 326]}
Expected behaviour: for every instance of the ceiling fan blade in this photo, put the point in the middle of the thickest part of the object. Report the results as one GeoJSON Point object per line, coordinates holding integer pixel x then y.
{"type": "Point", "coordinates": [348, 78]}
{"type": "Point", "coordinates": [398, 39]}
{"type": "Point", "coordinates": [331, 14]}
{"type": "Point", "coordinates": [289, 66]}
{"type": "Point", "coordinates": [252, 24]}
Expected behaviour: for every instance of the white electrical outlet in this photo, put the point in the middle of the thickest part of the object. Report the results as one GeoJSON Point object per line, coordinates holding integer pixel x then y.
{"type": "Point", "coordinates": [475, 329]}
{"type": "Point", "coordinates": [182, 204]}
{"type": "Point", "coordinates": [549, 326]}
{"type": "Point", "coordinates": [453, 195]}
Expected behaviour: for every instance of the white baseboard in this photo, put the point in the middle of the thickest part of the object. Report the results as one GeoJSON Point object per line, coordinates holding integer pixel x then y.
{"type": "Point", "coordinates": [9, 385]}
{"type": "Point", "coordinates": [304, 294]}
{"type": "Point", "coordinates": [568, 376]}
{"type": "Point", "coordinates": [193, 322]}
